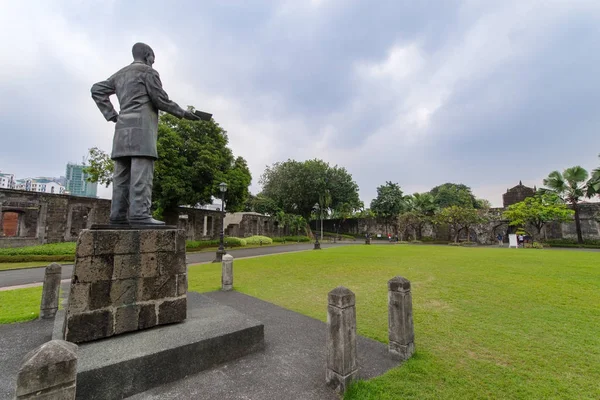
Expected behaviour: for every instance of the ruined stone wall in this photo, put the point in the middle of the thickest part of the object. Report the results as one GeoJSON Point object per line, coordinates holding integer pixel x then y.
{"type": "Point", "coordinates": [483, 233]}
{"type": "Point", "coordinates": [49, 218]}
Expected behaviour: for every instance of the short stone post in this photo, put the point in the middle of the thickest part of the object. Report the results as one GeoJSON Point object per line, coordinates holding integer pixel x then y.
{"type": "Point", "coordinates": [50, 291]}
{"type": "Point", "coordinates": [342, 364]}
{"type": "Point", "coordinates": [49, 372]}
{"type": "Point", "coordinates": [227, 273]}
{"type": "Point", "coordinates": [400, 319]}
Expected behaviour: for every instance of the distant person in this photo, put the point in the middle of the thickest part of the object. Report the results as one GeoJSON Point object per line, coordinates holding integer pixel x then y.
{"type": "Point", "coordinates": [500, 239]}
{"type": "Point", "coordinates": [520, 240]}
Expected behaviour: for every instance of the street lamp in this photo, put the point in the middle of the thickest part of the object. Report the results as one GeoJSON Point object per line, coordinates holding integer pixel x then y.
{"type": "Point", "coordinates": [317, 244]}
{"type": "Point", "coordinates": [221, 250]}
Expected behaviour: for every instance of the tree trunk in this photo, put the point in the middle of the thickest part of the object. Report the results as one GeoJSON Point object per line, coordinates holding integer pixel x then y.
{"type": "Point", "coordinates": [577, 223]}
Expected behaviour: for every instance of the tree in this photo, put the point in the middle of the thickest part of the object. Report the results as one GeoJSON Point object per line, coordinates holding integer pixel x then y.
{"type": "Point", "coordinates": [421, 208]}
{"type": "Point", "coordinates": [570, 187]}
{"type": "Point", "coordinates": [593, 185]}
{"type": "Point", "coordinates": [389, 202]}
{"type": "Point", "coordinates": [194, 159]}
{"type": "Point", "coordinates": [101, 167]}
{"type": "Point", "coordinates": [454, 194]}
{"type": "Point", "coordinates": [295, 187]}
{"type": "Point", "coordinates": [536, 211]}
{"type": "Point", "coordinates": [460, 218]}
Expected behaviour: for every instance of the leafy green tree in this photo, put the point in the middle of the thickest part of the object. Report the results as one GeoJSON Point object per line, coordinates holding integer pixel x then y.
{"type": "Point", "coordinates": [460, 218]}
{"type": "Point", "coordinates": [536, 212]}
{"type": "Point", "coordinates": [389, 202]}
{"type": "Point", "coordinates": [295, 187]}
{"type": "Point", "coordinates": [194, 159]}
{"type": "Point", "coordinates": [570, 187]}
{"type": "Point", "coordinates": [101, 167]}
{"type": "Point", "coordinates": [454, 194]}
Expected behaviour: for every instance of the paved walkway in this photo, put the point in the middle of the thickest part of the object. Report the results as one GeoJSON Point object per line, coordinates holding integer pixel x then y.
{"type": "Point", "coordinates": [292, 365]}
{"type": "Point", "coordinates": [35, 276]}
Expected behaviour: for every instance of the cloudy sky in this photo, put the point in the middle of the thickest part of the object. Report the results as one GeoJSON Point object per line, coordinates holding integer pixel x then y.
{"type": "Point", "coordinates": [485, 93]}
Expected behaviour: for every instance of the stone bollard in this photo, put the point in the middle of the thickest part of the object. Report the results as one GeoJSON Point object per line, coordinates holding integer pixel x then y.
{"type": "Point", "coordinates": [227, 273]}
{"type": "Point", "coordinates": [49, 372]}
{"type": "Point", "coordinates": [342, 364]}
{"type": "Point", "coordinates": [400, 319]}
{"type": "Point", "coordinates": [50, 292]}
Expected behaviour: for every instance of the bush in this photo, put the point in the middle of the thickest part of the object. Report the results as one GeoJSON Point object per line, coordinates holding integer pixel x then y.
{"type": "Point", "coordinates": [195, 245]}
{"type": "Point", "coordinates": [234, 242]}
{"type": "Point", "coordinates": [192, 245]}
{"type": "Point", "coordinates": [416, 242]}
{"type": "Point", "coordinates": [587, 243]}
{"type": "Point", "coordinates": [258, 239]}
{"type": "Point", "coordinates": [35, 257]}
{"type": "Point", "coordinates": [52, 249]}
{"type": "Point", "coordinates": [536, 245]}
{"type": "Point", "coordinates": [463, 244]}
{"type": "Point", "coordinates": [291, 239]}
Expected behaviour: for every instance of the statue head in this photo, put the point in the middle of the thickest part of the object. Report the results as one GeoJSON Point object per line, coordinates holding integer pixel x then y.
{"type": "Point", "coordinates": [143, 53]}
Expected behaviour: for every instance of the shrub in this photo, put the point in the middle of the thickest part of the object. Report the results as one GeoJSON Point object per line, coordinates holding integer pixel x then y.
{"type": "Point", "coordinates": [52, 249]}
{"type": "Point", "coordinates": [233, 241]}
{"type": "Point", "coordinates": [258, 239]}
{"type": "Point", "coordinates": [587, 243]}
{"type": "Point", "coordinates": [291, 239]}
{"type": "Point", "coordinates": [416, 242]}
{"type": "Point", "coordinates": [192, 245]}
{"type": "Point", "coordinates": [35, 257]}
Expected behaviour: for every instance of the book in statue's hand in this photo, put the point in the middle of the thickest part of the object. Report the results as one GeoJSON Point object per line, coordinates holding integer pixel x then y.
{"type": "Point", "coordinates": [204, 116]}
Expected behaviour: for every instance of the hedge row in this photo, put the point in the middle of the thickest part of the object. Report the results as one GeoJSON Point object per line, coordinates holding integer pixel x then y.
{"type": "Point", "coordinates": [52, 249]}
{"type": "Point", "coordinates": [291, 239]}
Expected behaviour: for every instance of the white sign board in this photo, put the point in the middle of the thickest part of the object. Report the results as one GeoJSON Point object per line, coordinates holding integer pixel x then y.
{"type": "Point", "coordinates": [512, 241]}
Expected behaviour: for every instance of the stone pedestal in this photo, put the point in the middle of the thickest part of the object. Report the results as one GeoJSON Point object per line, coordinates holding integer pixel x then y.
{"type": "Point", "coordinates": [126, 280]}
{"type": "Point", "coordinates": [400, 319]}
{"type": "Point", "coordinates": [342, 364]}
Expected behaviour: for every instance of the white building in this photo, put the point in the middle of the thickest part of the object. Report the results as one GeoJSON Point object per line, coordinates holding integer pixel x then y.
{"type": "Point", "coordinates": [43, 185]}
{"type": "Point", "coordinates": [7, 181]}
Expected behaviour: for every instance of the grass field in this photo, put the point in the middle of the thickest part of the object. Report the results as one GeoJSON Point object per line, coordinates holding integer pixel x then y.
{"type": "Point", "coordinates": [20, 304]}
{"type": "Point", "coordinates": [489, 323]}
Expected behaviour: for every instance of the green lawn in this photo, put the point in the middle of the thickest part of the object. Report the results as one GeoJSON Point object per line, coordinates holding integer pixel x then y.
{"type": "Point", "coordinates": [489, 323]}
{"type": "Point", "coordinates": [20, 304]}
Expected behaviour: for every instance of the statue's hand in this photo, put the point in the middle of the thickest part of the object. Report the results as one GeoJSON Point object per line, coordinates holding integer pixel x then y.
{"type": "Point", "coordinates": [191, 116]}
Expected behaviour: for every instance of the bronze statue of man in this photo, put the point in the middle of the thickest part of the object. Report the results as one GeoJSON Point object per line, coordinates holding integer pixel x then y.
{"type": "Point", "coordinates": [140, 94]}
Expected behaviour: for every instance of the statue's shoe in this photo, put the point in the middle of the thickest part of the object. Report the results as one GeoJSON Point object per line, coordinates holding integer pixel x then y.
{"type": "Point", "coordinates": [146, 221]}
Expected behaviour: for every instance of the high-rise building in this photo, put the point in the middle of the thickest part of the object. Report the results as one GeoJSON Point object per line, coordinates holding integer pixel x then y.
{"type": "Point", "coordinates": [77, 184]}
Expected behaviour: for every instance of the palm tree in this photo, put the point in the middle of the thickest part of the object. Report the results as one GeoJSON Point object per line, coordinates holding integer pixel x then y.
{"type": "Point", "coordinates": [422, 207]}
{"type": "Point", "coordinates": [593, 185]}
{"type": "Point", "coordinates": [570, 186]}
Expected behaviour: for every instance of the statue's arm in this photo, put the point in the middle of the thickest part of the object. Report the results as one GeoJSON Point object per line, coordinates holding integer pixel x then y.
{"type": "Point", "coordinates": [159, 97]}
{"type": "Point", "coordinates": [101, 93]}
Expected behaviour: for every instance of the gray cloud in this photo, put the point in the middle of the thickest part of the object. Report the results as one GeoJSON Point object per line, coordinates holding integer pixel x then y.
{"type": "Point", "coordinates": [484, 93]}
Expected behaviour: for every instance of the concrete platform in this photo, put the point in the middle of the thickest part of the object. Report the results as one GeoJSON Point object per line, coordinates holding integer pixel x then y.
{"type": "Point", "coordinates": [124, 365]}
{"type": "Point", "coordinates": [292, 366]}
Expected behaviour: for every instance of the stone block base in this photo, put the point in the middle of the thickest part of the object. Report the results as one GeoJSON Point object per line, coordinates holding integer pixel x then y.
{"type": "Point", "coordinates": [401, 352]}
{"type": "Point", "coordinates": [125, 280]}
{"type": "Point", "coordinates": [338, 382]}
{"type": "Point", "coordinates": [124, 365]}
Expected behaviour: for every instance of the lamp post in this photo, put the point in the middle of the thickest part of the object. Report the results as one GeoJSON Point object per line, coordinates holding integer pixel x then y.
{"type": "Point", "coordinates": [317, 244]}
{"type": "Point", "coordinates": [221, 251]}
